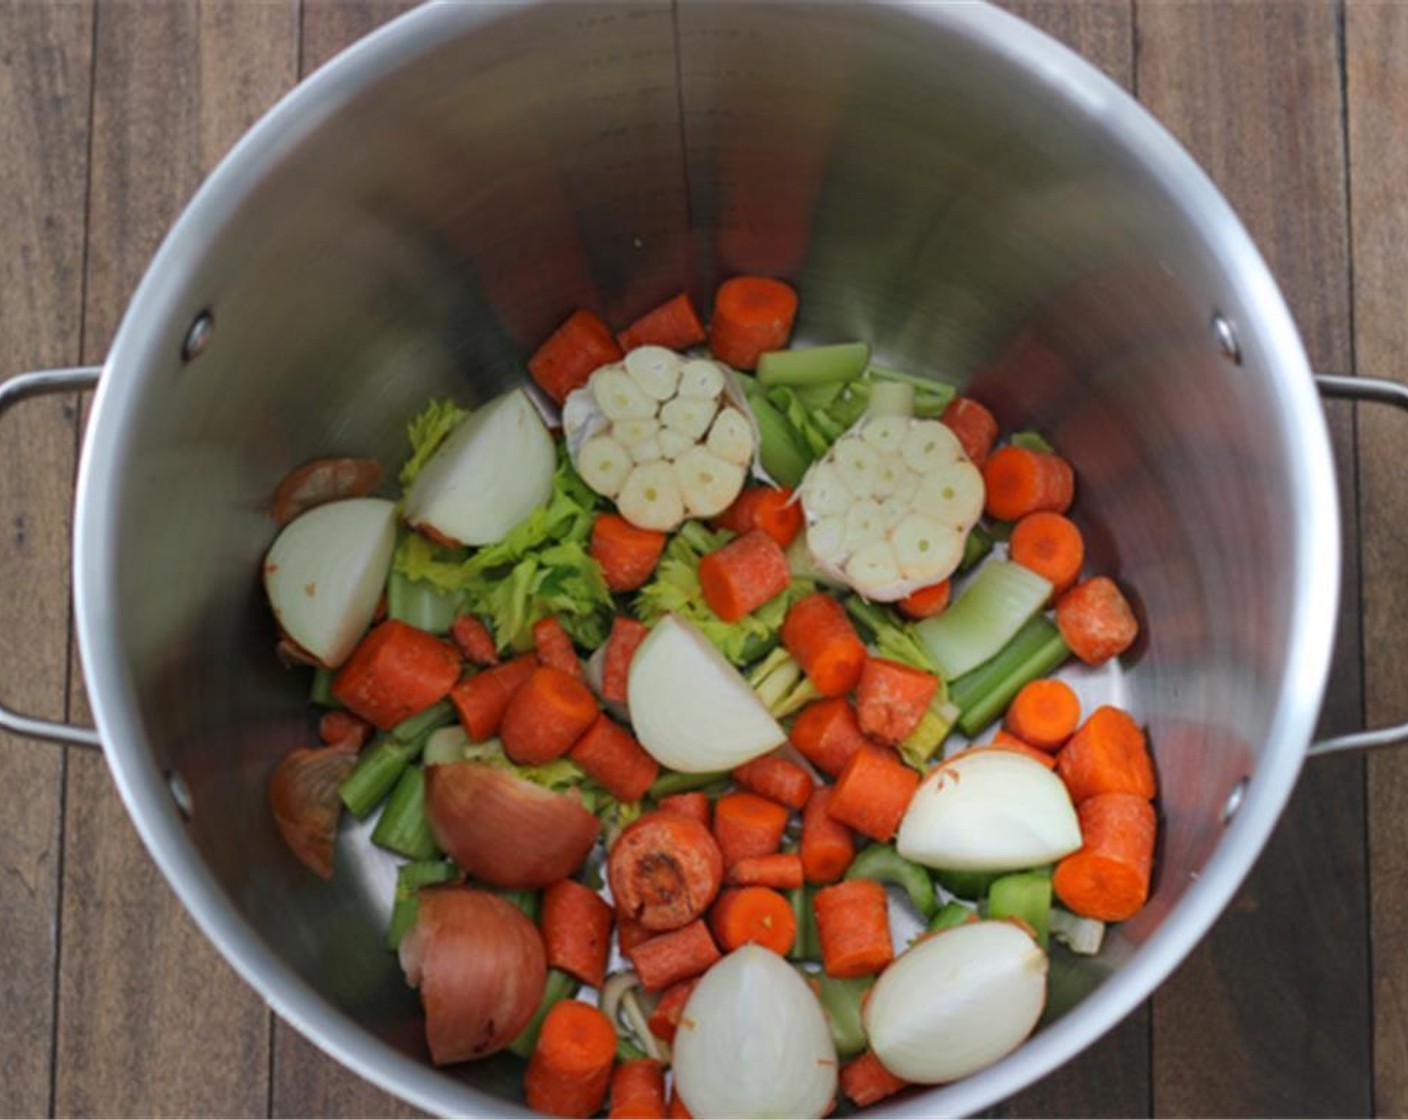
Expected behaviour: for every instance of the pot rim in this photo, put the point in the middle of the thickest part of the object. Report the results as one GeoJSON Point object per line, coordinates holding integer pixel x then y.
{"type": "Point", "coordinates": [164, 297]}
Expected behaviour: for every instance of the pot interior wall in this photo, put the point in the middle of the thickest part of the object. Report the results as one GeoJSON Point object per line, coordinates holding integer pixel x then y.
{"type": "Point", "coordinates": [419, 236]}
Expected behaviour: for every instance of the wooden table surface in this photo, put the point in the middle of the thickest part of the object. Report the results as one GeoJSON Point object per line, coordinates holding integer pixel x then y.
{"type": "Point", "coordinates": [111, 1002]}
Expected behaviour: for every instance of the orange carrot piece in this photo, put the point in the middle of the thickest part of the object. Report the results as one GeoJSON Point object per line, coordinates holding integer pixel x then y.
{"type": "Point", "coordinates": [694, 804]}
{"type": "Point", "coordinates": [1107, 755]}
{"type": "Point", "coordinates": [1108, 878]}
{"type": "Point", "coordinates": [614, 760]}
{"type": "Point", "coordinates": [756, 915]}
{"type": "Point", "coordinates": [554, 648]}
{"type": "Point", "coordinates": [337, 728]}
{"type": "Point", "coordinates": [626, 553]}
{"type": "Point", "coordinates": [853, 924]}
{"type": "Point", "coordinates": [302, 796]}
{"type": "Point", "coordinates": [674, 325]}
{"type": "Point", "coordinates": [625, 638]}
{"type": "Point", "coordinates": [1006, 741]}
{"type": "Point", "coordinates": [638, 1090]}
{"type": "Point", "coordinates": [974, 425]}
{"type": "Point", "coordinates": [773, 510]}
{"type": "Point", "coordinates": [865, 1081]}
{"type": "Point", "coordinates": [827, 845]}
{"type": "Point", "coordinates": [630, 933]}
{"type": "Point", "coordinates": [474, 640]}
{"type": "Point", "coordinates": [752, 314]}
{"type": "Point", "coordinates": [671, 957]}
{"type": "Point", "coordinates": [664, 1021]}
{"type": "Point", "coordinates": [1019, 481]}
{"type": "Point", "coordinates": [873, 792]}
{"type": "Point", "coordinates": [892, 698]}
{"type": "Point", "coordinates": [1096, 621]}
{"type": "Point", "coordinates": [1044, 713]}
{"type": "Point", "coordinates": [782, 870]}
{"type": "Point", "coordinates": [576, 926]}
{"type": "Point", "coordinates": [677, 1109]}
{"type": "Point", "coordinates": [546, 716]}
{"type": "Point", "coordinates": [572, 353]}
{"type": "Point", "coordinates": [746, 825]}
{"type": "Point", "coordinates": [820, 636]}
{"type": "Point", "coordinates": [664, 870]}
{"type": "Point", "coordinates": [827, 734]}
{"type": "Point", "coordinates": [482, 699]}
{"type": "Point", "coordinates": [395, 672]}
{"type": "Point", "coordinates": [927, 601]}
{"type": "Point", "coordinates": [571, 1063]}
{"type": "Point", "coordinates": [776, 778]}
{"type": "Point", "coordinates": [744, 574]}
{"type": "Point", "coordinates": [1050, 545]}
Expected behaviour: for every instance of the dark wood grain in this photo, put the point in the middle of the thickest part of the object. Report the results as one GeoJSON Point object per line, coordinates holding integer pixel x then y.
{"type": "Point", "coordinates": [151, 1021]}
{"type": "Point", "coordinates": [1270, 1016]}
{"type": "Point", "coordinates": [1376, 64]}
{"type": "Point", "coordinates": [330, 26]}
{"type": "Point", "coordinates": [45, 68]}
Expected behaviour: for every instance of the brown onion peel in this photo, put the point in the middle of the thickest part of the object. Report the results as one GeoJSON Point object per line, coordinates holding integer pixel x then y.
{"type": "Point", "coordinates": [302, 793]}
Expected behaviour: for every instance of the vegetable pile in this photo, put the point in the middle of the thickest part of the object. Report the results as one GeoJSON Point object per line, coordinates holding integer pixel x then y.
{"type": "Point", "coordinates": [673, 714]}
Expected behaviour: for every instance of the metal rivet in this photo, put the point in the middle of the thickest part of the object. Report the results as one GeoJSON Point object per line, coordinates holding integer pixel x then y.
{"type": "Point", "coordinates": [180, 792]}
{"type": "Point", "coordinates": [198, 337]}
{"type": "Point", "coordinates": [1234, 800]}
{"type": "Point", "coordinates": [1226, 336]}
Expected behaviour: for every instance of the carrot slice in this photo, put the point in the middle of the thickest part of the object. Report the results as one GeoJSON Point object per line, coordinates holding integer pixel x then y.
{"type": "Point", "coordinates": [625, 638]}
{"type": "Point", "coordinates": [576, 926]}
{"type": "Point", "coordinates": [1108, 878]}
{"type": "Point", "coordinates": [755, 915]}
{"type": "Point", "coordinates": [571, 1063]}
{"type": "Point", "coordinates": [827, 845]}
{"type": "Point", "coordinates": [694, 805]}
{"type": "Point", "coordinates": [873, 792]}
{"type": "Point", "coordinates": [1020, 481]}
{"type": "Point", "coordinates": [664, 1021]}
{"type": "Point", "coordinates": [775, 511]}
{"type": "Point", "coordinates": [747, 825]}
{"type": "Point", "coordinates": [554, 648]}
{"type": "Point", "coordinates": [482, 699]}
{"type": "Point", "coordinates": [927, 601]}
{"type": "Point", "coordinates": [752, 314]}
{"type": "Point", "coordinates": [892, 698]}
{"type": "Point", "coordinates": [1096, 621]}
{"type": "Point", "coordinates": [827, 734]}
{"type": "Point", "coordinates": [469, 633]}
{"type": "Point", "coordinates": [626, 553]}
{"type": "Point", "coordinates": [818, 633]}
{"type": "Point", "coordinates": [677, 1109]}
{"type": "Point", "coordinates": [1006, 741]}
{"type": "Point", "coordinates": [1107, 755]}
{"type": "Point", "coordinates": [782, 870]}
{"type": "Point", "coordinates": [853, 924]}
{"type": "Point", "coordinates": [1049, 545]}
{"type": "Point", "coordinates": [303, 801]}
{"type": "Point", "coordinates": [614, 760]}
{"type": "Point", "coordinates": [664, 870]}
{"type": "Point", "coordinates": [1044, 713]}
{"type": "Point", "coordinates": [338, 728]}
{"type": "Point", "coordinates": [638, 1090]}
{"type": "Point", "coordinates": [674, 325]}
{"type": "Point", "coordinates": [778, 779]}
{"type": "Point", "coordinates": [974, 425]}
{"type": "Point", "coordinates": [671, 957]}
{"type": "Point", "coordinates": [630, 933]}
{"type": "Point", "coordinates": [546, 716]}
{"type": "Point", "coordinates": [744, 574]}
{"type": "Point", "coordinates": [865, 1081]}
{"type": "Point", "coordinates": [395, 672]}
{"type": "Point", "coordinates": [572, 353]}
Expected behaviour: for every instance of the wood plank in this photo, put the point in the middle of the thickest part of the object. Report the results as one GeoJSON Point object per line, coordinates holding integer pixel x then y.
{"type": "Point", "coordinates": [331, 26]}
{"type": "Point", "coordinates": [1376, 62]}
{"type": "Point", "coordinates": [45, 71]}
{"type": "Point", "coordinates": [1269, 1016]}
{"type": "Point", "coordinates": [150, 1020]}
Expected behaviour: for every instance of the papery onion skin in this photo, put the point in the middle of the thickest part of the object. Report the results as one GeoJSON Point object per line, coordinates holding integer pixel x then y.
{"type": "Point", "coordinates": [322, 481]}
{"type": "Point", "coordinates": [480, 967]}
{"type": "Point", "coordinates": [505, 830]}
{"type": "Point", "coordinates": [303, 801]}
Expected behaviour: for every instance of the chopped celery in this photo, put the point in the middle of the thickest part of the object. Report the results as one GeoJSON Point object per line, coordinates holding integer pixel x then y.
{"type": "Point", "coordinates": [976, 546]}
{"type": "Point", "coordinates": [894, 638]}
{"type": "Point", "coordinates": [671, 783]}
{"type": "Point", "coordinates": [818, 396]}
{"type": "Point", "coordinates": [421, 604]}
{"type": "Point", "coordinates": [801, 904]}
{"type": "Point", "coordinates": [626, 1050]}
{"type": "Point", "coordinates": [891, 398]}
{"type": "Point", "coordinates": [702, 539]}
{"type": "Point", "coordinates": [883, 864]}
{"type": "Point", "coordinates": [449, 744]}
{"type": "Point", "coordinates": [409, 880]}
{"type": "Point", "coordinates": [377, 770]}
{"type": "Point", "coordinates": [523, 900]}
{"type": "Point", "coordinates": [842, 1001]}
{"type": "Point", "coordinates": [807, 931]}
{"type": "Point", "coordinates": [817, 365]}
{"type": "Point", "coordinates": [424, 722]}
{"type": "Point", "coordinates": [780, 447]}
{"type": "Point", "coordinates": [426, 432]}
{"type": "Point", "coordinates": [971, 885]}
{"type": "Point", "coordinates": [993, 607]}
{"type": "Point", "coordinates": [1025, 895]}
{"type": "Point", "coordinates": [779, 684]}
{"type": "Point", "coordinates": [983, 694]}
{"type": "Point", "coordinates": [1080, 935]}
{"type": "Point", "coordinates": [403, 827]}
{"type": "Point", "coordinates": [320, 691]}
{"type": "Point", "coordinates": [951, 914]}
{"type": "Point", "coordinates": [930, 397]}
{"type": "Point", "coordinates": [559, 987]}
{"type": "Point", "coordinates": [1031, 441]}
{"type": "Point", "coordinates": [921, 744]}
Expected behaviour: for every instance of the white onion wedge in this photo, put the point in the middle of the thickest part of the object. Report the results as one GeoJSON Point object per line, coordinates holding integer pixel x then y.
{"type": "Point", "coordinates": [325, 572]}
{"type": "Point", "coordinates": [691, 709]}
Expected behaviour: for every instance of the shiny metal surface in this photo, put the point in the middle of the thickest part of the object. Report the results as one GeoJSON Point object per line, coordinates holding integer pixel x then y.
{"type": "Point", "coordinates": [941, 180]}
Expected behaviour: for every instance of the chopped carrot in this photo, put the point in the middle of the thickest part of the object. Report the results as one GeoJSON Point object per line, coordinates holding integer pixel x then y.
{"type": "Point", "coordinates": [677, 1109]}
{"type": "Point", "coordinates": [395, 672]}
{"type": "Point", "coordinates": [625, 638]}
{"type": "Point", "coordinates": [1019, 481]}
{"type": "Point", "coordinates": [744, 574]}
{"type": "Point", "coordinates": [1107, 755]}
{"type": "Point", "coordinates": [614, 760]}
{"type": "Point", "coordinates": [752, 315]}
{"type": "Point", "coordinates": [1050, 545]}
{"type": "Point", "coordinates": [1108, 879]}
{"type": "Point", "coordinates": [747, 825]}
{"type": "Point", "coordinates": [1044, 713]}
{"type": "Point", "coordinates": [853, 923]}
{"type": "Point", "coordinates": [626, 553]}
{"type": "Point", "coordinates": [474, 640]}
{"type": "Point", "coordinates": [873, 792]}
{"type": "Point", "coordinates": [776, 778]}
{"type": "Point", "coordinates": [302, 795]}
{"type": "Point", "coordinates": [782, 870]}
{"type": "Point", "coordinates": [638, 1090]}
{"type": "Point", "coordinates": [694, 804]}
{"type": "Point", "coordinates": [571, 1063]}
{"type": "Point", "coordinates": [482, 699]}
{"type": "Point", "coordinates": [827, 845]}
{"type": "Point", "coordinates": [892, 698]}
{"type": "Point", "coordinates": [671, 957]}
{"type": "Point", "coordinates": [927, 601]}
{"type": "Point", "coordinates": [664, 870]}
{"type": "Point", "coordinates": [630, 933]}
{"type": "Point", "coordinates": [572, 353]}
{"type": "Point", "coordinates": [546, 716]}
{"type": "Point", "coordinates": [974, 425]}
{"type": "Point", "coordinates": [756, 915]}
{"type": "Point", "coordinates": [576, 927]}
{"type": "Point", "coordinates": [1006, 741]}
{"type": "Point", "coordinates": [674, 325]}
{"type": "Point", "coordinates": [865, 1081]}
{"type": "Point", "coordinates": [338, 728]}
{"type": "Point", "coordinates": [664, 1021]}
{"type": "Point", "coordinates": [820, 636]}
{"type": "Point", "coordinates": [773, 510]}
{"type": "Point", "coordinates": [827, 734]}
{"type": "Point", "coordinates": [1096, 621]}
{"type": "Point", "coordinates": [322, 481]}
{"type": "Point", "coordinates": [554, 648]}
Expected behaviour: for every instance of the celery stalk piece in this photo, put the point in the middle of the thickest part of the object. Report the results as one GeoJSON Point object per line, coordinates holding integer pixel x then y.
{"type": "Point", "coordinates": [975, 548]}
{"type": "Point", "coordinates": [671, 783]}
{"type": "Point", "coordinates": [816, 365]}
{"type": "Point", "coordinates": [1025, 895]}
{"type": "Point", "coordinates": [841, 1000]}
{"type": "Point", "coordinates": [409, 880]}
{"type": "Point", "coordinates": [883, 864]}
{"type": "Point", "coordinates": [891, 398]}
{"type": "Point", "coordinates": [378, 769]}
{"type": "Point", "coordinates": [403, 827]}
{"type": "Point", "coordinates": [421, 604]}
{"type": "Point", "coordinates": [921, 744]}
{"type": "Point", "coordinates": [424, 722]}
{"type": "Point", "coordinates": [559, 987]}
{"type": "Point", "coordinates": [801, 904]}
{"type": "Point", "coordinates": [1031, 441]}
{"type": "Point", "coordinates": [1081, 935]}
{"type": "Point", "coordinates": [993, 607]}
{"type": "Point", "coordinates": [449, 744]}
{"type": "Point", "coordinates": [983, 694]}
{"type": "Point", "coordinates": [320, 691]}
{"type": "Point", "coordinates": [525, 901]}
{"type": "Point", "coordinates": [780, 446]}
{"type": "Point", "coordinates": [951, 914]}
{"type": "Point", "coordinates": [971, 885]}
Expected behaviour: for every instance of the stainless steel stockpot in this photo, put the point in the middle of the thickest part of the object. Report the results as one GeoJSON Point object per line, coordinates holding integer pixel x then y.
{"type": "Point", "coordinates": [939, 179]}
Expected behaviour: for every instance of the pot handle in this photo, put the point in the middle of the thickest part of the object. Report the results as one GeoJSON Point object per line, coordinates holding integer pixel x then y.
{"type": "Point", "coordinates": [18, 388]}
{"type": "Point", "coordinates": [1365, 390]}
